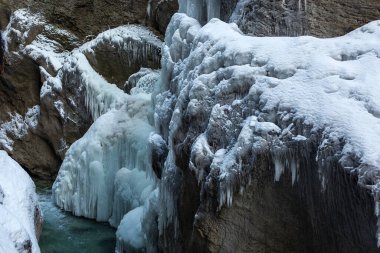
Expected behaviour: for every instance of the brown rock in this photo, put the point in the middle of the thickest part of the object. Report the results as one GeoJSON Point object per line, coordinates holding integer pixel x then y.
{"type": "Point", "coordinates": [321, 18]}
{"type": "Point", "coordinates": [90, 17]}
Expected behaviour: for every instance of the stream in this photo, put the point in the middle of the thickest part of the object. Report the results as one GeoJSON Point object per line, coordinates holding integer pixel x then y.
{"type": "Point", "coordinates": [65, 233]}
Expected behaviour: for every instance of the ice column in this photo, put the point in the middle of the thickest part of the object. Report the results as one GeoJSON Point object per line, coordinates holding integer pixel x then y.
{"type": "Point", "coordinates": [201, 10]}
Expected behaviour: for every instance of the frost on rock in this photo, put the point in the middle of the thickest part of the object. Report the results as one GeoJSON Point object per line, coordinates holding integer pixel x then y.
{"type": "Point", "coordinates": [19, 210]}
{"type": "Point", "coordinates": [18, 126]}
{"type": "Point", "coordinates": [238, 11]}
{"type": "Point", "coordinates": [226, 99]}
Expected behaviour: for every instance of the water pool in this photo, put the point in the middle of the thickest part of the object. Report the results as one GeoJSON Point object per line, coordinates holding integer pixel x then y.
{"type": "Point", "coordinates": [65, 233]}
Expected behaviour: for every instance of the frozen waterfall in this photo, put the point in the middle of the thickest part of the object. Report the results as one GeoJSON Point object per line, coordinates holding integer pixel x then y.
{"type": "Point", "coordinates": [223, 100]}
{"type": "Point", "coordinates": [202, 10]}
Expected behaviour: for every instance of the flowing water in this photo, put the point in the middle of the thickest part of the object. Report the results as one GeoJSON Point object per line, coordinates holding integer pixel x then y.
{"type": "Point", "coordinates": [64, 233]}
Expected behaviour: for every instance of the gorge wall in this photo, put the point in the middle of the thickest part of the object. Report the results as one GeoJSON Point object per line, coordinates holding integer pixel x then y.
{"type": "Point", "coordinates": [321, 18]}
{"type": "Point", "coordinates": [21, 80]}
{"type": "Point", "coordinates": [250, 150]}
{"type": "Point", "coordinates": [37, 129]}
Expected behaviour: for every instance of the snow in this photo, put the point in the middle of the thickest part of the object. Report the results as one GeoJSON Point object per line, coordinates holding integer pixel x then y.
{"type": "Point", "coordinates": [20, 23]}
{"type": "Point", "coordinates": [45, 52]}
{"type": "Point", "coordinates": [138, 41]}
{"type": "Point", "coordinates": [130, 231]}
{"type": "Point", "coordinates": [247, 93]}
{"type": "Point", "coordinates": [60, 108]}
{"type": "Point", "coordinates": [18, 126]}
{"type": "Point", "coordinates": [17, 208]}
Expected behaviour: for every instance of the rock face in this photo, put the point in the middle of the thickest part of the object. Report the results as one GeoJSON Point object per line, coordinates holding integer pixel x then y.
{"type": "Point", "coordinates": [321, 18]}
{"type": "Point", "coordinates": [160, 13]}
{"type": "Point", "coordinates": [39, 74]}
{"type": "Point", "coordinates": [88, 18]}
{"type": "Point", "coordinates": [117, 60]}
{"type": "Point", "coordinates": [254, 162]}
{"type": "Point", "coordinates": [40, 144]}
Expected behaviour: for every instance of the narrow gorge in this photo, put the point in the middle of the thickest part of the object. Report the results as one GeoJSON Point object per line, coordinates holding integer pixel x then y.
{"type": "Point", "coordinates": [189, 126]}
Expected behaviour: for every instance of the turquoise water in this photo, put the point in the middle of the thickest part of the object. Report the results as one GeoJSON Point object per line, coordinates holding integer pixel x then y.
{"type": "Point", "coordinates": [64, 233]}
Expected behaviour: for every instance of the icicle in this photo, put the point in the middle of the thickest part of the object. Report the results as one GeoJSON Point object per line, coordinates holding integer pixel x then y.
{"type": "Point", "coordinates": [148, 8]}
{"type": "Point", "coordinates": [294, 169]}
{"type": "Point", "coordinates": [279, 168]}
{"type": "Point", "coordinates": [85, 184]}
{"type": "Point", "coordinates": [213, 9]}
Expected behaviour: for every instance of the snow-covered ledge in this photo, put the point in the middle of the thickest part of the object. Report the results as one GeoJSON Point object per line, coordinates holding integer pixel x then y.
{"type": "Point", "coordinates": [20, 215]}
{"type": "Point", "coordinates": [226, 100]}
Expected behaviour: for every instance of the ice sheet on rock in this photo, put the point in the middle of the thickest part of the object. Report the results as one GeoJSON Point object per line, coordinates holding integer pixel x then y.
{"type": "Point", "coordinates": [219, 79]}
{"type": "Point", "coordinates": [101, 96]}
{"type": "Point", "coordinates": [137, 40]}
{"type": "Point", "coordinates": [18, 208]}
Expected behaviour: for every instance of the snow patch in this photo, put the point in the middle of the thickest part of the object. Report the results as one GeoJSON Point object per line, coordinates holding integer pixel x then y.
{"type": "Point", "coordinates": [18, 207]}
{"type": "Point", "coordinates": [18, 126]}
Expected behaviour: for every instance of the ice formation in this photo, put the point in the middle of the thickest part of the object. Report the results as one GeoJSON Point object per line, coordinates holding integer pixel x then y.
{"type": "Point", "coordinates": [223, 99]}
{"type": "Point", "coordinates": [143, 81]}
{"type": "Point", "coordinates": [105, 174]}
{"type": "Point", "coordinates": [232, 97]}
{"type": "Point", "coordinates": [238, 12]}
{"type": "Point", "coordinates": [202, 10]}
{"type": "Point", "coordinates": [118, 139]}
{"type": "Point", "coordinates": [19, 210]}
{"type": "Point", "coordinates": [138, 42]}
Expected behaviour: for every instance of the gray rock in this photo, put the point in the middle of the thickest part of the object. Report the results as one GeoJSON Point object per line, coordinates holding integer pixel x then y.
{"type": "Point", "coordinates": [322, 18]}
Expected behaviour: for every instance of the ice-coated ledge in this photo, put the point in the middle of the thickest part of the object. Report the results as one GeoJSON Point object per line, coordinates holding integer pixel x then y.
{"type": "Point", "coordinates": [19, 209]}
{"type": "Point", "coordinates": [233, 97]}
